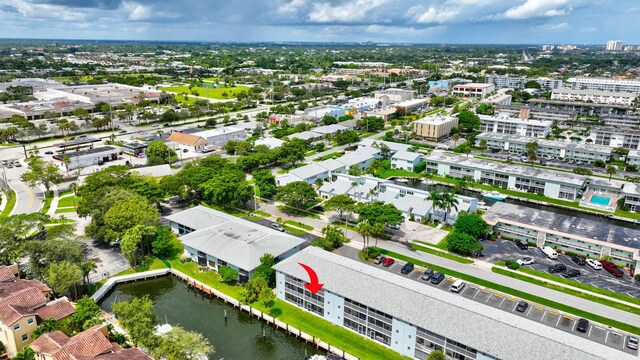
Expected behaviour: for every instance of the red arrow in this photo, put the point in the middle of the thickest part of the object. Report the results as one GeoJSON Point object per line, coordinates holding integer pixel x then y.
{"type": "Point", "coordinates": [313, 286]}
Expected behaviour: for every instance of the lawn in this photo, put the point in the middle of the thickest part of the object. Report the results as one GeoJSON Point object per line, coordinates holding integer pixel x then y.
{"type": "Point", "coordinates": [68, 201]}
{"type": "Point", "coordinates": [517, 293]}
{"type": "Point", "coordinates": [299, 224]}
{"type": "Point", "coordinates": [294, 231]}
{"type": "Point", "coordinates": [395, 172]}
{"type": "Point", "coordinates": [65, 210]}
{"type": "Point", "coordinates": [11, 202]}
{"type": "Point", "coordinates": [47, 203]}
{"type": "Point", "coordinates": [331, 156]}
{"type": "Point", "coordinates": [214, 93]}
{"type": "Point", "coordinates": [437, 252]}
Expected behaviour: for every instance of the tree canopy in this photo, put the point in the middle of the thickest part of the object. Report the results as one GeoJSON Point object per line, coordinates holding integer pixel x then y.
{"type": "Point", "coordinates": [297, 195]}
{"type": "Point", "coordinates": [378, 213]}
{"type": "Point", "coordinates": [42, 172]}
{"type": "Point", "coordinates": [471, 224]}
{"type": "Point", "coordinates": [159, 153]}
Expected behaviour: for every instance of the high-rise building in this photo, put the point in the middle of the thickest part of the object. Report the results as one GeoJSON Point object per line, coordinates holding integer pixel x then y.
{"type": "Point", "coordinates": [614, 45]}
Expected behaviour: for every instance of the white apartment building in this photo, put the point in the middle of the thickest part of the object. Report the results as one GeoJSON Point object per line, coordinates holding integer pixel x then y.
{"type": "Point", "coordinates": [613, 137]}
{"type": "Point", "coordinates": [514, 126]}
{"type": "Point", "coordinates": [536, 113]}
{"type": "Point", "coordinates": [395, 95]}
{"type": "Point", "coordinates": [474, 90]}
{"type": "Point", "coordinates": [595, 96]}
{"type": "Point", "coordinates": [607, 84]}
{"type": "Point", "coordinates": [614, 45]}
{"type": "Point", "coordinates": [517, 82]}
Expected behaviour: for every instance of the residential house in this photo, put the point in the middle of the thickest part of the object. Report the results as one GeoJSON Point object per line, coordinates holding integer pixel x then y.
{"type": "Point", "coordinates": [405, 160]}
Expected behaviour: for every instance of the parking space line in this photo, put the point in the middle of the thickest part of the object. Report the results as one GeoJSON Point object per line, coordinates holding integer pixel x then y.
{"type": "Point", "coordinates": [476, 294]}
{"type": "Point", "coordinates": [530, 309]}
{"type": "Point", "coordinates": [558, 322]}
{"type": "Point", "coordinates": [575, 323]}
{"type": "Point", "coordinates": [501, 302]}
{"type": "Point", "coordinates": [543, 315]}
{"type": "Point", "coordinates": [589, 333]}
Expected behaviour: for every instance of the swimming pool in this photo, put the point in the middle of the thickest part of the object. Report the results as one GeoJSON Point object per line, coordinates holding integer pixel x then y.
{"type": "Point", "coordinates": [600, 200]}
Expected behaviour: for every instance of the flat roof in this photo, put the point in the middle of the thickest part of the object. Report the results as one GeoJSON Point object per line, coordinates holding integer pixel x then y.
{"type": "Point", "coordinates": [515, 120]}
{"type": "Point", "coordinates": [94, 151]}
{"type": "Point", "coordinates": [574, 225]}
{"type": "Point", "coordinates": [550, 143]}
{"type": "Point", "coordinates": [487, 329]}
{"type": "Point", "coordinates": [473, 85]}
{"type": "Point", "coordinates": [576, 103]}
{"type": "Point", "coordinates": [595, 92]}
{"type": "Point", "coordinates": [436, 120]}
{"type": "Point", "coordinates": [76, 142]}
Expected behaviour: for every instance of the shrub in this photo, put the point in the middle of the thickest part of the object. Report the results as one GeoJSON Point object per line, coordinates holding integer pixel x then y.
{"type": "Point", "coordinates": [227, 274]}
{"type": "Point", "coordinates": [513, 265]}
{"type": "Point", "coordinates": [637, 277]}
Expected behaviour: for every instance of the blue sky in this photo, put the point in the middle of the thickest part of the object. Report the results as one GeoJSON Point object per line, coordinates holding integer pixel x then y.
{"type": "Point", "coordinates": [417, 21]}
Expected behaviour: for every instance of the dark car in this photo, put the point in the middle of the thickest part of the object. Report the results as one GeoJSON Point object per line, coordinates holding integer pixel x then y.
{"type": "Point", "coordinates": [571, 273]}
{"type": "Point", "coordinates": [578, 260]}
{"type": "Point", "coordinates": [379, 259]}
{"type": "Point", "coordinates": [522, 245]}
{"type": "Point", "coordinates": [388, 262]}
{"type": "Point", "coordinates": [185, 150]}
{"type": "Point", "coordinates": [437, 278]}
{"type": "Point", "coordinates": [583, 325]}
{"type": "Point", "coordinates": [557, 268]}
{"type": "Point", "coordinates": [122, 132]}
{"type": "Point", "coordinates": [427, 275]}
{"type": "Point", "coordinates": [318, 208]}
{"type": "Point", "coordinates": [407, 268]}
{"type": "Point", "coordinates": [48, 152]}
{"type": "Point", "coordinates": [612, 268]}
{"type": "Point", "coordinates": [522, 306]}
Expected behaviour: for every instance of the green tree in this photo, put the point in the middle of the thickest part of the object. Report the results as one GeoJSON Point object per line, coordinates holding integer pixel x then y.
{"type": "Point", "coordinates": [378, 213]}
{"type": "Point", "coordinates": [86, 312]}
{"type": "Point", "coordinates": [611, 170]}
{"type": "Point", "coordinates": [436, 202]}
{"type": "Point", "coordinates": [365, 230]}
{"type": "Point", "coordinates": [42, 172]}
{"type": "Point", "coordinates": [134, 239]}
{"type": "Point", "coordinates": [472, 224]}
{"type": "Point", "coordinates": [58, 247]}
{"type": "Point", "coordinates": [582, 171]}
{"type": "Point", "coordinates": [227, 189]}
{"type": "Point", "coordinates": [297, 195]}
{"type": "Point", "coordinates": [26, 354]}
{"type": "Point", "coordinates": [371, 123]}
{"type": "Point", "coordinates": [252, 290]}
{"type": "Point", "coordinates": [347, 137]}
{"type": "Point", "coordinates": [130, 212]}
{"type": "Point", "coordinates": [180, 344]}
{"type": "Point", "coordinates": [448, 201]}
{"type": "Point", "coordinates": [87, 267]}
{"type": "Point", "coordinates": [266, 183]}
{"type": "Point", "coordinates": [333, 238]}
{"type": "Point", "coordinates": [341, 204]}
{"type": "Point", "coordinates": [293, 151]}
{"type": "Point", "coordinates": [265, 269]}
{"type": "Point", "coordinates": [148, 187]}
{"type": "Point", "coordinates": [46, 326]}
{"type": "Point", "coordinates": [485, 109]}
{"type": "Point", "coordinates": [163, 244]}
{"type": "Point", "coordinates": [138, 319]}
{"type": "Point", "coordinates": [532, 84]}
{"type": "Point", "coordinates": [159, 153]}
{"type": "Point", "coordinates": [64, 276]}
{"type": "Point", "coordinates": [532, 151]}
{"type": "Point", "coordinates": [468, 121]}
{"type": "Point", "coordinates": [228, 274]}
{"type": "Point", "coordinates": [463, 244]}
{"type": "Point", "coordinates": [437, 355]}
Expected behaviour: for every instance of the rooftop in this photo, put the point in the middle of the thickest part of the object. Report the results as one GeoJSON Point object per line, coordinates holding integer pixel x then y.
{"type": "Point", "coordinates": [515, 120]}
{"type": "Point", "coordinates": [576, 103]}
{"type": "Point", "coordinates": [473, 86]}
{"type": "Point", "coordinates": [549, 143]}
{"type": "Point", "coordinates": [406, 155]}
{"type": "Point", "coordinates": [436, 120]}
{"type": "Point", "coordinates": [595, 92]}
{"type": "Point", "coordinates": [98, 150]}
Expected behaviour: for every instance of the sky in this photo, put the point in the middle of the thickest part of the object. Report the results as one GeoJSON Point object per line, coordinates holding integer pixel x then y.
{"type": "Point", "coordinates": [394, 21]}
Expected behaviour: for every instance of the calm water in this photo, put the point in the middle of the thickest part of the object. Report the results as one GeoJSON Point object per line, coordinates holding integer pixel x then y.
{"type": "Point", "coordinates": [240, 337]}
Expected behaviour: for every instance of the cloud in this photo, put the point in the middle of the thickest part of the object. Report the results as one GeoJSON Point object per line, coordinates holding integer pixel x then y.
{"type": "Point", "coordinates": [44, 11]}
{"type": "Point", "coordinates": [432, 15]}
{"type": "Point", "coordinates": [538, 8]}
{"type": "Point", "coordinates": [348, 11]}
{"type": "Point", "coordinates": [553, 27]}
{"type": "Point", "coordinates": [138, 12]}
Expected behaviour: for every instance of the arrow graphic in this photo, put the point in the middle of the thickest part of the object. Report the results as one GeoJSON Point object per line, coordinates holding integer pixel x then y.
{"type": "Point", "coordinates": [313, 285]}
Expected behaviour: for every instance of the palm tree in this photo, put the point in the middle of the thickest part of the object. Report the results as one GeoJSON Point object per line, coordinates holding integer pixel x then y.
{"type": "Point", "coordinates": [448, 201]}
{"type": "Point", "coordinates": [455, 138]}
{"type": "Point", "coordinates": [372, 193]}
{"type": "Point", "coordinates": [26, 354]}
{"type": "Point", "coordinates": [365, 229]}
{"type": "Point", "coordinates": [87, 267]}
{"type": "Point", "coordinates": [436, 200]}
{"type": "Point", "coordinates": [611, 170]}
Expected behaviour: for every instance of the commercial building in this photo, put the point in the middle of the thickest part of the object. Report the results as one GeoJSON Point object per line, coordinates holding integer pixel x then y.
{"type": "Point", "coordinates": [136, 148]}
{"type": "Point", "coordinates": [473, 90]}
{"type": "Point", "coordinates": [32, 110]}
{"type": "Point", "coordinates": [573, 234]}
{"type": "Point", "coordinates": [605, 84]}
{"type": "Point", "coordinates": [114, 94]}
{"type": "Point", "coordinates": [546, 148]}
{"type": "Point", "coordinates": [88, 157]}
{"type": "Point", "coordinates": [554, 184]}
{"type": "Point", "coordinates": [614, 45]}
{"type": "Point", "coordinates": [417, 319]}
{"type": "Point", "coordinates": [197, 143]}
{"type": "Point", "coordinates": [414, 104]}
{"type": "Point", "coordinates": [395, 95]}
{"type": "Point", "coordinates": [434, 127]}
{"type": "Point", "coordinates": [506, 125]}
{"type": "Point", "coordinates": [580, 107]}
{"type": "Point", "coordinates": [518, 82]}
{"type": "Point", "coordinates": [218, 138]}
{"type": "Point", "coordinates": [595, 96]}
{"type": "Point", "coordinates": [213, 239]}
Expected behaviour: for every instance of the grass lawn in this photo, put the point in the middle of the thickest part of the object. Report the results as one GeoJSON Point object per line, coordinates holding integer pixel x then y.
{"type": "Point", "coordinates": [215, 93]}
{"type": "Point", "coordinates": [185, 100]}
{"type": "Point", "coordinates": [65, 210]}
{"type": "Point", "coordinates": [394, 172]}
{"type": "Point", "coordinates": [517, 293]}
{"type": "Point", "coordinates": [68, 201]}
{"type": "Point", "coordinates": [11, 202]}
{"type": "Point", "coordinates": [299, 224]}
{"type": "Point", "coordinates": [263, 213]}
{"type": "Point", "coordinates": [331, 156]}
{"type": "Point", "coordinates": [296, 212]}
{"type": "Point", "coordinates": [47, 203]}
{"type": "Point", "coordinates": [627, 214]}
{"type": "Point", "coordinates": [294, 231]}
{"type": "Point", "coordinates": [437, 252]}
{"type": "Point", "coordinates": [66, 192]}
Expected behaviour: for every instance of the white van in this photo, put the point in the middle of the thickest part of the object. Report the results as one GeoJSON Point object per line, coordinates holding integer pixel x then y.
{"type": "Point", "coordinates": [457, 286]}
{"type": "Point", "coordinates": [548, 250]}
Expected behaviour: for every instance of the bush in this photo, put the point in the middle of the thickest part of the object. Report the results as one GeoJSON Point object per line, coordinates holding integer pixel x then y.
{"type": "Point", "coordinates": [463, 244]}
{"type": "Point", "coordinates": [637, 277]}
{"type": "Point", "coordinates": [420, 167]}
{"type": "Point", "coordinates": [227, 274]}
{"type": "Point", "coordinates": [513, 265]}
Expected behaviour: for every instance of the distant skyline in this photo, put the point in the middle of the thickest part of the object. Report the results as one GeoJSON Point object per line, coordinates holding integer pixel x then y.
{"type": "Point", "coordinates": [410, 21]}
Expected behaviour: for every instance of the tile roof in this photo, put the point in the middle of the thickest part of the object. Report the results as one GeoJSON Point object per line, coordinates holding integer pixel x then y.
{"type": "Point", "coordinates": [6, 273]}
{"type": "Point", "coordinates": [20, 303]}
{"type": "Point", "coordinates": [126, 354]}
{"type": "Point", "coordinates": [89, 343]}
{"type": "Point", "coordinates": [57, 309]}
{"type": "Point", "coordinates": [186, 139]}
{"type": "Point", "coordinates": [9, 287]}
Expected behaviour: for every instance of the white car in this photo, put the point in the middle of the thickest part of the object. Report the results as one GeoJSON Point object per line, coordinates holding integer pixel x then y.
{"type": "Point", "coordinates": [525, 261]}
{"type": "Point", "coordinates": [595, 264]}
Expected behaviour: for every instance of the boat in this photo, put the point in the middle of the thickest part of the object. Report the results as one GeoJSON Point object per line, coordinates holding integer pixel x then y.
{"type": "Point", "coordinates": [494, 195]}
{"type": "Point", "coordinates": [482, 205]}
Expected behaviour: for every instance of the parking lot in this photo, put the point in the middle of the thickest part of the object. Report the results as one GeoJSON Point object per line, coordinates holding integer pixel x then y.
{"type": "Point", "coordinates": [507, 250]}
{"type": "Point", "coordinates": [565, 322]}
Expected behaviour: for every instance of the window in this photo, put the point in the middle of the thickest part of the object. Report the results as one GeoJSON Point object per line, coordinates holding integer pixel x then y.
{"type": "Point", "coordinates": [16, 327]}
{"type": "Point", "coordinates": [25, 337]}
{"type": "Point", "coordinates": [30, 321]}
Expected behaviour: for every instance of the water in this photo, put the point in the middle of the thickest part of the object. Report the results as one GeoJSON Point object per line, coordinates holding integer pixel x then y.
{"type": "Point", "coordinates": [600, 200]}
{"type": "Point", "coordinates": [240, 337]}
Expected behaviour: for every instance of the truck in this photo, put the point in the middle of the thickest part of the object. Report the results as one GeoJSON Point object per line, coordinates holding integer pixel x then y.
{"type": "Point", "coordinates": [548, 250]}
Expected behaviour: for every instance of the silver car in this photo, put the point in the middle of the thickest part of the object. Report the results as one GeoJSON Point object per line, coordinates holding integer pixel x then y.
{"type": "Point", "coordinates": [632, 342]}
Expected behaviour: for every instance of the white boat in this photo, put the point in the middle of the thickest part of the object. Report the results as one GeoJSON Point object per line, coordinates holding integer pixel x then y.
{"type": "Point", "coordinates": [482, 205]}
{"type": "Point", "coordinates": [494, 195]}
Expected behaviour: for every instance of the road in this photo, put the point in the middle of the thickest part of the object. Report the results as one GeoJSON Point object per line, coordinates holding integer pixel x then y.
{"type": "Point", "coordinates": [28, 199]}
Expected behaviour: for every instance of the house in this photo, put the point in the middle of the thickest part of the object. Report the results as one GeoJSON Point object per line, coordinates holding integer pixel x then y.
{"type": "Point", "coordinates": [474, 90]}
{"type": "Point", "coordinates": [197, 143]}
{"type": "Point", "coordinates": [405, 160]}
{"type": "Point", "coordinates": [213, 239]}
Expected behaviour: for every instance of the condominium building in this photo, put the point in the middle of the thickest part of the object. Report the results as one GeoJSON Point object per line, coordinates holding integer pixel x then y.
{"type": "Point", "coordinates": [573, 234]}
{"type": "Point", "coordinates": [554, 184]}
{"type": "Point", "coordinates": [595, 96]}
{"type": "Point", "coordinates": [606, 84]}
{"type": "Point", "coordinates": [536, 113]}
{"type": "Point", "coordinates": [580, 107]}
{"type": "Point", "coordinates": [498, 99]}
{"type": "Point", "coordinates": [614, 45]}
{"type": "Point", "coordinates": [473, 90]}
{"type": "Point", "coordinates": [517, 82]}
{"type": "Point", "coordinates": [395, 95]}
{"type": "Point", "coordinates": [506, 125]}
{"type": "Point", "coordinates": [434, 128]}
{"type": "Point", "coordinates": [614, 137]}
{"type": "Point", "coordinates": [416, 319]}
{"type": "Point", "coordinates": [546, 148]}
{"type": "Point", "coordinates": [633, 158]}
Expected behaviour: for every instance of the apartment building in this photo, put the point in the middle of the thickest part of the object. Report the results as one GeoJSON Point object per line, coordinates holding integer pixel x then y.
{"type": "Point", "coordinates": [573, 234]}
{"type": "Point", "coordinates": [580, 107]}
{"type": "Point", "coordinates": [518, 82]}
{"type": "Point", "coordinates": [546, 148]}
{"type": "Point", "coordinates": [405, 160]}
{"type": "Point", "coordinates": [536, 113]}
{"type": "Point", "coordinates": [621, 121]}
{"type": "Point", "coordinates": [473, 90]}
{"type": "Point", "coordinates": [395, 95]}
{"type": "Point", "coordinates": [614, 45]}
{"type": "Point", "coordinates": [354, 298]}
{"type": "Point", "coordinates": [514, 126]}
{"type": "Point", "coordinates": [554, 184]}
{"type": "Point", "coordinates": [595, 96]}
{"type": "Point", "coordinates": [605, 84]}
{"type": "Point", "coordinates": [633, 158]}
{"type": "Point", "coordinates": [434, 128]}
{"type": "Point", "coordinates": [614, 137]}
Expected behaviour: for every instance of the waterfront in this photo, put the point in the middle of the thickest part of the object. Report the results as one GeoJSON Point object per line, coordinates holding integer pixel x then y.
{"type": "Point", "coordinates": [239, 337]}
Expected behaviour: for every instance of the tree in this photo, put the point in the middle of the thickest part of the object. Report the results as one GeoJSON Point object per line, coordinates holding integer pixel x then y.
{"type": "Point", "coordinates": [347, 137]}
{"type": "Point", "coordinates": [611, 170]}
{"type": "Point", "coordinates": [365, 230]}
{"type": "Point", "coordinates": [252, 290]}
{"type": "Point", "coordinates": [532, 151]}
{"type": "Point", "coordinates": [297, 195]}
{"type": "Point", "coordinates": [293, 151]}
{"type": "Point", "coordinates": [133, 239]}
{"type": "Point", "coordinates": [86, 312]}
{"type": "Point", "coordinates": [333, 238]}
{"type": "Point", "coordinates": [266, 183]}
{"type": "Point", "coordinates": [138, 319]}
{"type": "Point", "coordinates": [159, 153]}
{"type": "Point", "coordinates": [468, 121]}
{"type": "Point", "coordinates": [582, 171]}
{"type": "Point", "coordinates": [87, 267]}
{"type": "Point", "coordinates": [532, 84]}
{"type": "Point", "coordinates": [227, 188]}
{"type": "Point", "coordinates": [448, 201]}
{"type": "Point", "coordinates": [455, 138]}
{"type": "Point", "coordinates": [46, 326]}
{"type": "Point", "coordinates": [26, 354]}
{"type": "Point", "coordinates": [128, 213]}
{"type": "Point", "coordinates": [180, 344]}
{"type": "Point", "coordinates": [148, 187]}
{"type": "Point", "coordinates": [371, 123]}
{"type": "Point", "coordinates": [64, 276]}
{"type": "Point", "coordinates": [162, 245]}
{"type": "Point", "coordinates": [341, 204]}
{"type": "Point", "coordinates": [485, 109]}
{"type": "Point", "coordinates": [482, 146]}
{"type": "Point", "coordinates": [437, 355]}
{"type": "Point", "coordinates": [471, 224]}
{"type": "Point", "coordinates": [328, 120]}
{"type": "Point", "coordinates": [378, 213]}
{"type": "Point", "coordinates": [42, 172]}
{"type": "Point", "coordinates": [60, 246]}
{"type": "Point", "coordinates": [463, 244]}
{"type": "Point", "coordinates": [227, 274]}
{"type": "Point", "coordinates": [436, 202]}
{"type": "Point", "coordinates": [265, 269]}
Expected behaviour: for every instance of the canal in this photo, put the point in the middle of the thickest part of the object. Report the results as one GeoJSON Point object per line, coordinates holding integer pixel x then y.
{"type": "Point", "coordinates": [239, 337]}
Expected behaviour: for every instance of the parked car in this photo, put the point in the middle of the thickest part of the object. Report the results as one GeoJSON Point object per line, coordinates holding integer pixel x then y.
{"type": "Point", "coordinates": [525, 261]}
{"type": "Point", "coordinates": [379, 259]}
{"type": "Point", "coordinates": [548, 250]}
{"type": "Point", "coordinates": [583, 325]}
{"type": "Point", "coordinates": [543, 162]}
{"type": "Point", "coordinates": [437, 278]}
{"type": "Point", "coordinates": [277, 227]}
{"type": "Point", "coordinates": [318, 208]}
{"type": "Point", "coordinates": [185, 150]}
{"type": "Point", "coordinates": [632, 342]}
{"type": "Point", "coordinates": [571, 273]}
{"type": "Point", "coordinates": [388, 262]}
{"type": "Point", "coordinates": [522, 245]}
{"type": "Point", "coordinates": [122, 132]}
{"type": "Point", "coordinates": [612, 268]}
{"type": "Point", "coordinates": [17, 163]}
{"type": "Point", "coordinates": [407, 268]}
{"type": "Point", "coordinates": [522, 306]}
{"type": "Point", "coordinates": [427, 275]}
{"type": "Point", "coordinates": [457, 286]}
{"type": "Point", "coordinates": [48, 152]}
{"type": "Point", "coordinates": [578, 260]}
{"type": "Point", "coordinates": [595, 264]}
{"type": "Point", "coordinates": [557, 268]}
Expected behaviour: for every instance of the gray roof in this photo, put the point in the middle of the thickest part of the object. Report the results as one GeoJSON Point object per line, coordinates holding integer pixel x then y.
{"type": "Point", "coordinates": [308, 171]}
{"type": "Point", "coordinates": [490, 330]}
{"type": "Point", "coordinates": [406, 155]}
{"type": "Point", "coordinates": [155, 171]}
{"type": "Point", "coordinates": [234, 240]}
{"type": "Point", "coordinates": [359, 156]}
{"type": "Point", "coordinates": [368, 142]}
{"type": "Point", "coordinates": [574, 225]}
{"type": "Point", "coordinates": [331, 164]}
{"type": "Point", "coordinates": [595, 93]}
{"type": "Point", "coordinates": [305, 135]}
{"type": "Point", "coordinates": [343, 185]}
{"type": "Point", "coordinates": [546, 143]}
{"type": "Point", "coordinates": [329, 129]}
{"type": "Point", "coordinates": [545, 123]}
